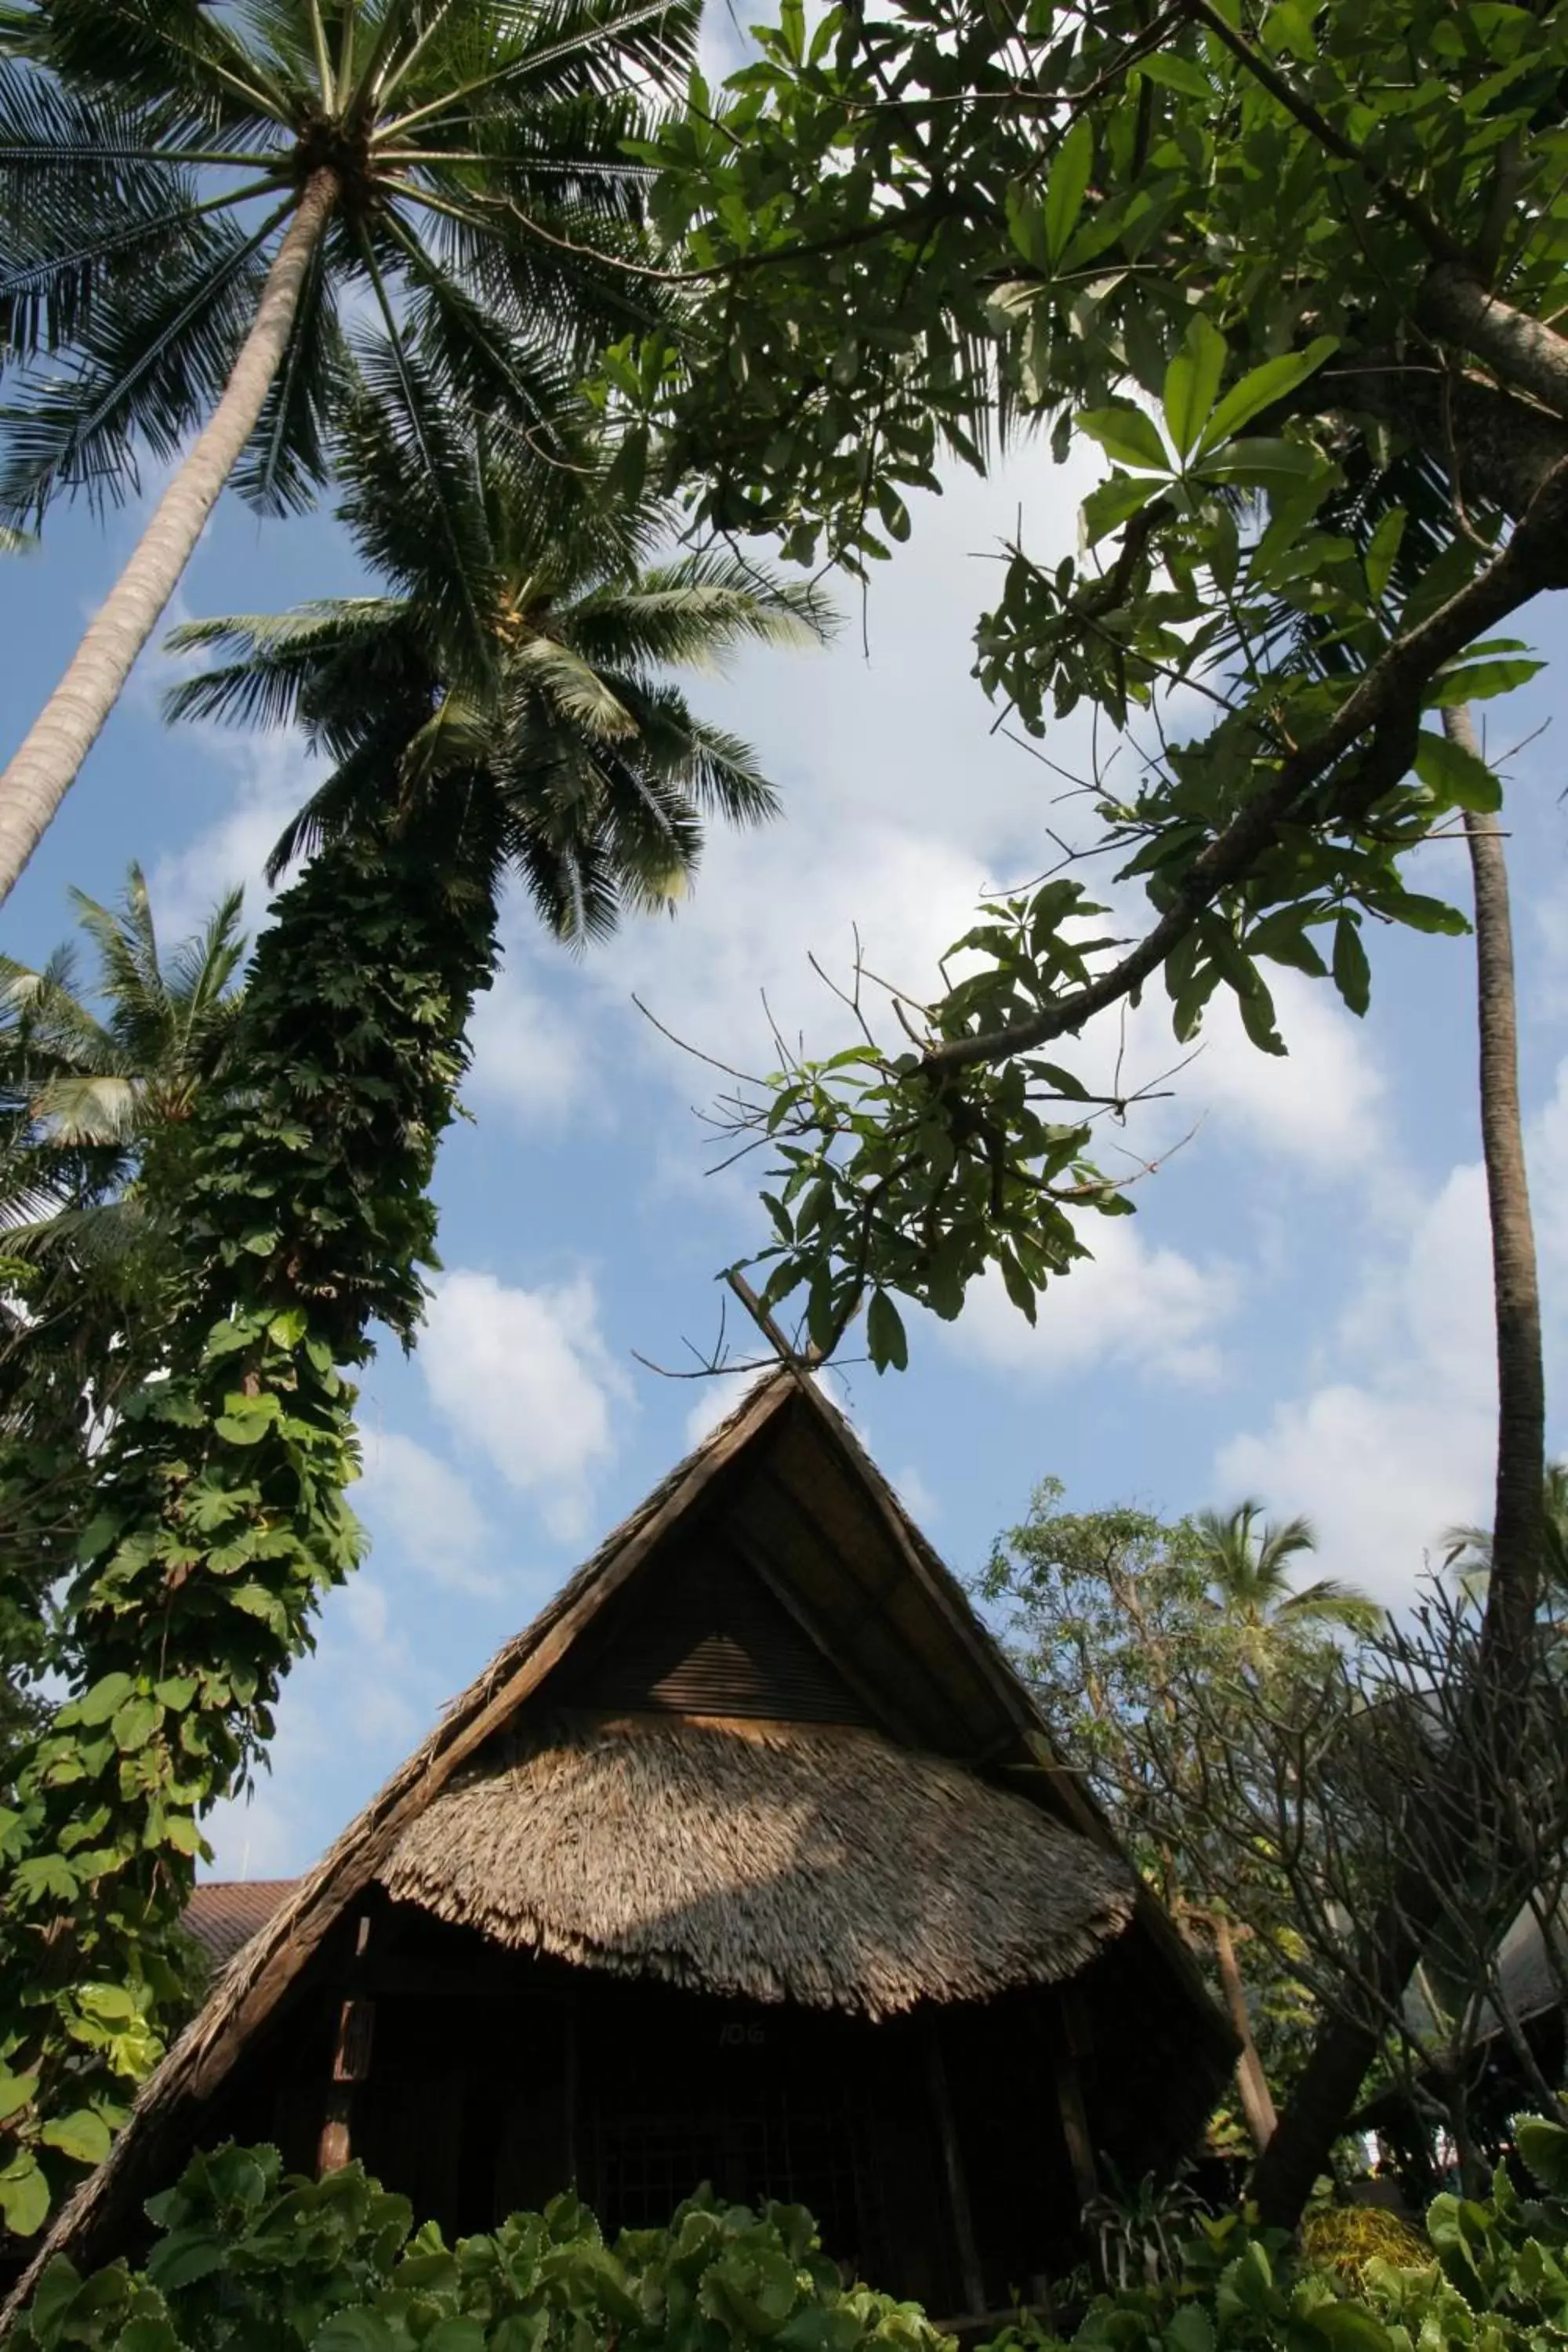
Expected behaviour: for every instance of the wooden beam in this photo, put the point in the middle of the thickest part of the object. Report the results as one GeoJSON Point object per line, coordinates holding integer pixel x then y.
{"type": "Point", "coordinates": [971, 2277]}
{"type": "Point", "coordinates": [1074, 2040]}
{"type": "Point", "coordinates": [351, 2062]}
{"type": "Point", "coordinates": [889, 1719]}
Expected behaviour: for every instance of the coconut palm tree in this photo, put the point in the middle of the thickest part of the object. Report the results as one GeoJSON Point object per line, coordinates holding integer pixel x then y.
{"type": "Point", "coordinates": [522, 661]}
{"type": "Point", "coordinates": [1248, 1561]}
{"type": "Point", "coordinates": [191, 197]}
{"type": "Point", "coordinates": [1467, 1550]}
{"type": "Point", "coordinates": [92, 1079]}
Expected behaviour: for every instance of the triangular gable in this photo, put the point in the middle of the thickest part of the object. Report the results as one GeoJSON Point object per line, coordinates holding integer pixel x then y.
{"type": "Point", "coordinates": [788, 1489]}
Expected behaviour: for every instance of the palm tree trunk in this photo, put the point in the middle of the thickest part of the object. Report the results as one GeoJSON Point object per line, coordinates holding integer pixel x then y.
{"type": "Point", "coordinates": [64, 731]}
{"type": "Point", "coordinates": [1513, 1595]}
{"type": "Point", "coordinates": [1257, 2099]}
{"type": "Point", "coordinates": [1346, 2043]}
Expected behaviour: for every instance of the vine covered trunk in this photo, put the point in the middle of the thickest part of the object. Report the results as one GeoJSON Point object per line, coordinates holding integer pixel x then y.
{"type": "Point", "coordinates": [298, 1197]}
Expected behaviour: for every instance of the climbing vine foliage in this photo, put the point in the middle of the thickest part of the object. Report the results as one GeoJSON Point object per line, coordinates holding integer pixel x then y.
{"type": "Point", "coordinates": [298, 1195]}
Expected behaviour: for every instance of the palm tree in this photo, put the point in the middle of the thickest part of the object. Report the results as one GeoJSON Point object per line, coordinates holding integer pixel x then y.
{"type": "Point", "coordinates": [1467, 1550]}
{"type": "Point", "coordinates": [522, 662]}
{"type": "Point", "coordinates": [1248, 1561]}
{"type": "Point", "coordinates": [91, 1082]}
{"type": "Point", "coordinates": [193, 195]}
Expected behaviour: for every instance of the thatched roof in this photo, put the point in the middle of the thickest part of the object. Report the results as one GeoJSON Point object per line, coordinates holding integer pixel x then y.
{"type": "Point", "coordinates": [796, 1493]}
{"type": "Point", "coordinates": [768, 1862]}
{"type": "Point", "coordinates": [224, 1914]}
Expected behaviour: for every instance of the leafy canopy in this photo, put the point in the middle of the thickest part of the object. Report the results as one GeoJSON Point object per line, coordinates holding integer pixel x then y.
{"type": "Point", "coordinates": [1293, 268]}
{"type": "Point", "coordinates": [152, 154]}
{"type": "Point", "coordinates": [525, 653]}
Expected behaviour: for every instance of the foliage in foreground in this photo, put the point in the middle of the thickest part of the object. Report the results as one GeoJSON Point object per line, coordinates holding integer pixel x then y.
{"type": "Point", "coordinates": [249, 2259]}
{"type": "Point", "coordinates": [1493, 2277]}
{"type": "Point", "coordinates": [253, 2261]}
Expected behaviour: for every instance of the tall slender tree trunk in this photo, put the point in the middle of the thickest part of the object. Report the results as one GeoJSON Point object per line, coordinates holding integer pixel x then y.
{"type": "Point", "coordinates": [1519, 1528]}
{"type": "Point", "coordinates": [64, 731]}
{"type": "Point", "coordinates": [1347, 2041]}
{"type": "Point", "coordinates": [1257, 2099]}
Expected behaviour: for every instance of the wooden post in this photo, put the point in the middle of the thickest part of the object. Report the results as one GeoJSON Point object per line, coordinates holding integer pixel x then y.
{"type": "Point", "coordinates": [970, 2276]}
{"type": "Point", "coordinates": [1073, 2040]}
{"type": "Point", "coordinates": [570, 2089]}
{"type": "Point", "coordinates": [350, 2064]}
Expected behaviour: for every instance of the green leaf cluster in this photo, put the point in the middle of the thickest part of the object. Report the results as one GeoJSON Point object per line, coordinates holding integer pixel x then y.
{"type": "Point", "coordinates": [251, 2261]}
{"type": "Point", "coordinates": [1493, 2276]}
{"type": "Point", "coordinates": [1242, 249]}
{"type": "Point", "coordinates": [299, 1192]}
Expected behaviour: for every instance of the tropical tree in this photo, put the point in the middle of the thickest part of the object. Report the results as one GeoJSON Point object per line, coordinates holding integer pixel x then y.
{"type": "Point", "coordinates": [94, 1079]}
{"type": "Point", "coordinates": [507, 713]}
{"type": "Point", "coordinates": [1248, 1561]}
{"type": "Point", "coordinates": [1150, 1644]}
{"type": "Point", "coordinates": [1467, 1550]}
{"type": "Point", "coordinates": [522, 656]}
{"type": "Point", "coordinates": [195, 197]}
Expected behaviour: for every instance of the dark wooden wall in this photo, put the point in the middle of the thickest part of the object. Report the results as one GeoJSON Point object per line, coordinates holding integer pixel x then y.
{"type": "Point", "coordinates": [928, 2148]}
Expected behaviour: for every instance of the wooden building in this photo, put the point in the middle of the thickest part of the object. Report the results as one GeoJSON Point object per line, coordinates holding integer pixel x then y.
{"type": "Point", "coordinates": [748, 1861]}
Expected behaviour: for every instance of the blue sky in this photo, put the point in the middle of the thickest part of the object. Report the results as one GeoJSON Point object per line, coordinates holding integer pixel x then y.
{"type": "Point", "coordinates": [1299, 1310]}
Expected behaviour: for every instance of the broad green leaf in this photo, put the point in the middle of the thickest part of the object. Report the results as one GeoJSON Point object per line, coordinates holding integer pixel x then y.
{"type": "Point", "coordinates": [97, 1705]}
{"type": "Point", "coordinates": [133, 1724]}
{"type": "Point", "coordinates": [1176, 73]}
{"type": "Point", "coordinates": [1353, 973]}
{"type": "Point", "coordinates": [1479, 682]}
{"type": "Point", "coordinates": [885, 1335]}
{"type": "Point", "coordinates": [1065, 188]}
{"type": "Point", "coordinates": [1456, 776]}
{"type": "Point", "coordinates": [23, 2196]}
{"type": "Point", "coordinates": [1544, 2147]}
{"type": "Point", "coordinates": [1190, 2330]}
{"type": "Point", "coordinates": [80, 2135]}
{"type": "Point", "coordinates": [16, 2090]}
{"type": "Point", "coordinates": [1261, 388]}
{"type": "Point", "coordinates": [1192, 381]}
{"type": "Point", "coordinates": [1382, 548]}
{"type": "Point", "coordinates": [353, 2330]}
{"type": "Point", "coordinates": [1347, 2327]}
{"type": "Point", "coordinates": [1110, 504]}
{"type": "Point", "coordinates": [1126, 434]}
{"type": "Point", "coordinates": [182, 2256]}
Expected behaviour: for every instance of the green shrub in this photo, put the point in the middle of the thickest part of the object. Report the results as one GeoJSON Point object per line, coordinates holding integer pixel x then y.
{"type": "Point", "coordinates": [1492, 2276]}
{"type": "Point", "coordinates": [1344, 2239]}
{"type": "Point", "coordinates": [252, 2262]}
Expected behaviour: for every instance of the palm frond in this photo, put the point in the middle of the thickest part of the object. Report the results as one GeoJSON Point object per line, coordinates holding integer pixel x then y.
{"type": "Point", "coordinates": [153, 364]}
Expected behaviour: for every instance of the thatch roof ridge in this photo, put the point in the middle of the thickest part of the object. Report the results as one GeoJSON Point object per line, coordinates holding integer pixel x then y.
{"type": "Point", "coordinates": [336, 1874]}
{"type": "Point", "coordinates": [818, 1863]}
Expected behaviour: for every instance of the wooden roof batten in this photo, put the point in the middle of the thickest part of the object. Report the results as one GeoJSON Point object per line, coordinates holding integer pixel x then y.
{"type": "Point", "coordinates": [783, 1420]}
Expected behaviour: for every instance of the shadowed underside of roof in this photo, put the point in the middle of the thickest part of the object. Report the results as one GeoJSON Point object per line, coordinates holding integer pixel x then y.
{"type": "Point", "coordinates": [772, 1862]}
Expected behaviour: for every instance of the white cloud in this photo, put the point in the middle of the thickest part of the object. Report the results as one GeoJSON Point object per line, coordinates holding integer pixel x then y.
{"type": "Point", "coordinates": [1133, 1303]}
{"type": "Point", "coordinates": [533, 1054]}
{"type": "Point", "coordinates": [1321, 1105]}
{"type": "Point", "coordinates": [275, 775]}
{"type": "Point", "coordinates": [428, 1512]}
{"type": "Point", "coordinates": [1399, 1444]}
{"type": "Point", "coordinates": [523, 1378]}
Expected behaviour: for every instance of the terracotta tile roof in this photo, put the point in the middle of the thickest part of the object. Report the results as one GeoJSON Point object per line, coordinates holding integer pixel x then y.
{"type": "Point", "coordinates": [224, 1914]}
